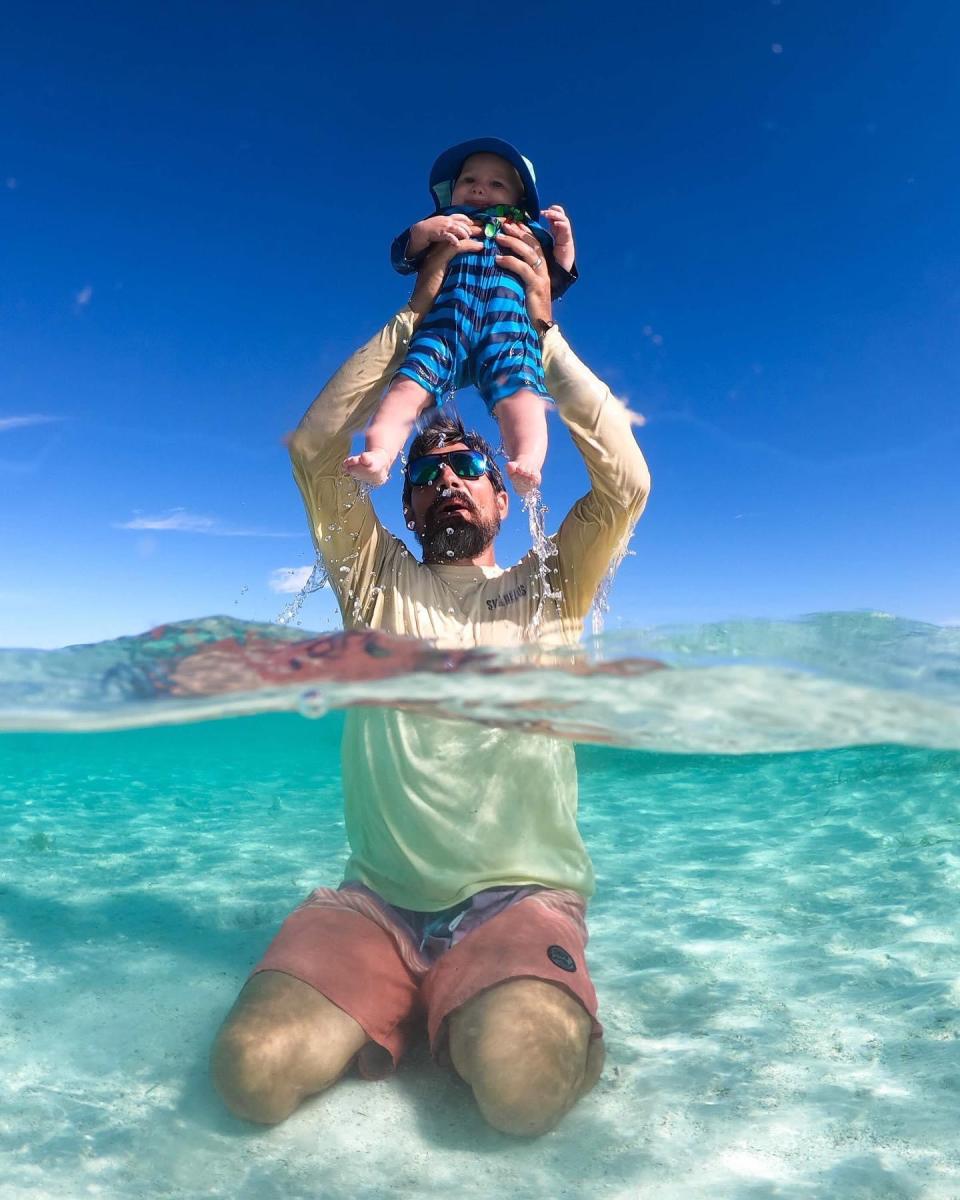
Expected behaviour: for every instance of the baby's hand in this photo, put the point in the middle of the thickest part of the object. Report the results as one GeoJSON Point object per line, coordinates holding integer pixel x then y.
{"type": "Point", "coordinates": [452, 230]}
{"type": "Point", "coordinates": [564, 250]}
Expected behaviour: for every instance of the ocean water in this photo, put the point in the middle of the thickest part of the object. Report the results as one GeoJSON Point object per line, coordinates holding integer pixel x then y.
{"type": "Point", "coordinates": [772, 811]}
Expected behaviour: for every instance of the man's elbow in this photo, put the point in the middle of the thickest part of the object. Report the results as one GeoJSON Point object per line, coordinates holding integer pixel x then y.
{"type": "Point", "coordinates": [298, 443]}
{"type": "Point", "coordinates": [636, 487]}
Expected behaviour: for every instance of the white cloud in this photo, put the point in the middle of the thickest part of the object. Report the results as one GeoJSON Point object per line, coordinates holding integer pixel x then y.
{"type": "Point", "coordinates": [179, 520]}
{"type": "Point", "coordinates": [24, 422]}
{"type": "Point", "coordinates": [289, 580]}
{"type": "Point", "coordinates": [84, 296]}
{"type": "Point", "coordinates": [633, 417]}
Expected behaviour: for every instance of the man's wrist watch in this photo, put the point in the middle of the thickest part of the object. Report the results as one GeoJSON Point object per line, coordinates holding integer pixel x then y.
{"type": "Point", "coordinates": [543, 327]}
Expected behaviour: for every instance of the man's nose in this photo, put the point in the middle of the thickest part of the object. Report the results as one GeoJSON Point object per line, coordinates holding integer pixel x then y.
{"type": "Point", "coordinates": [447, 475]}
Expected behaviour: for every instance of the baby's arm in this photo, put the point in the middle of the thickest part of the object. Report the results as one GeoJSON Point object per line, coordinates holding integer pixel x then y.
{"type": "Point", "coordinates": [453, 229]}
{"type": "Point", "coordinates": [564, 250]}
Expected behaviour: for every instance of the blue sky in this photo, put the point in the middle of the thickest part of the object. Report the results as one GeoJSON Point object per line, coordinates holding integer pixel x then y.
{"type": "Point", "coordinates": [196, 206]}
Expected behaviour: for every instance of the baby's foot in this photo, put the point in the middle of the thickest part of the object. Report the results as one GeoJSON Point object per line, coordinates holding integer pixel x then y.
{"type": "Point", "coordinates": [524, 475]}
{"type": "Point", "coordinates": [372, 466]}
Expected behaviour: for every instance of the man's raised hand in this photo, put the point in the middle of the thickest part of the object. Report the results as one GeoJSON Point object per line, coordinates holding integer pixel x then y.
{"type": "Point", "coordinates": [564, 250]}
{"type": "Point", "coordinates": [523, 257]}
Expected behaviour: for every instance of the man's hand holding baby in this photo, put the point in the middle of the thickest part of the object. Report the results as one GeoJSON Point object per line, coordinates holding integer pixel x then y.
{"type": "Point", "coordinates": [452, 229]}
{"type": "Point", "coordinates": [522, 256]}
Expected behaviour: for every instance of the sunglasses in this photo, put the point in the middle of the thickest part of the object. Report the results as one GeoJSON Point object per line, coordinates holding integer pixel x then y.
{"type": "Point", "coordinates": [465, 464]}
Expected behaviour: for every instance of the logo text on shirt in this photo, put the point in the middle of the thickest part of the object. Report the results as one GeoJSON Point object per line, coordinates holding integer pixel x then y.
{"type": "Point", "coordinates": [507, 597]}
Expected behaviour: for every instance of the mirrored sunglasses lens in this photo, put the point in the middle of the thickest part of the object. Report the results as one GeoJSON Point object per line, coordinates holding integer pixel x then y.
{"type": "Point", "coordinates": [423, 470]}
{"type": "Point", "coordinates": [468, 464]}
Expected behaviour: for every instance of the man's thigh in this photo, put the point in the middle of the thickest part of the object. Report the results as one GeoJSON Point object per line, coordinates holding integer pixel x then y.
{"type": "Point", "coordinates": [344, 946]}
{"type": "Point", "coordinates": [520, 1012]}
{"type": "Point", "coordinates": [282, 1035]}
{"type": "Point", "coordinates": [514, 1006]}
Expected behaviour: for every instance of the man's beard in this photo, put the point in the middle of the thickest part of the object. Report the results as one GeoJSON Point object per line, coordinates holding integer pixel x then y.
{"type": "Point", "coordinates": [448, 538]}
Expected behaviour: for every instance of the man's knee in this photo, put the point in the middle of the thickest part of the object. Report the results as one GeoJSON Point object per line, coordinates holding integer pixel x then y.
{"type": "Point", "coordinates": [527, 1090]}
{"type": "Point", "coordinates": [251, 1069]}
{"type": "Point", "coordinates": [523, 1112]}
{"type": "Point", "coordinates": [524, 1048]}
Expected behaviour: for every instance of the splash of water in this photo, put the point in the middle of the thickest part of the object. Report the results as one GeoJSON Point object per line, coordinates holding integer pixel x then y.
{"type": "Point", "coordinates": [544, 548]}
{"type": "Point", "coordinates": [316, 580]}
{"type": "Point", "coordinates": [601, 602]}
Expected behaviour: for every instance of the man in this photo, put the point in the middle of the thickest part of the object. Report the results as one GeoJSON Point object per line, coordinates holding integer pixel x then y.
{"type": "Point", "coordinates": [464, 896]}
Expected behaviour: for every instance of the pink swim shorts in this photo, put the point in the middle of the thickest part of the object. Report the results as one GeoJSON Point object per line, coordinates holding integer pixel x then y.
{"type": "Point", "coordinates": [390, 969]}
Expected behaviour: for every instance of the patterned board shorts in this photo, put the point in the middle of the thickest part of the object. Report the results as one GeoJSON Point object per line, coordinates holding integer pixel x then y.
{"type": "Point", "coordinates": [390, 968]}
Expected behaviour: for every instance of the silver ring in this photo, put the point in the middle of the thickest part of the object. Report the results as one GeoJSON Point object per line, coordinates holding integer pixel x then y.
{"type": "Point", "coordinates": [538, 262]}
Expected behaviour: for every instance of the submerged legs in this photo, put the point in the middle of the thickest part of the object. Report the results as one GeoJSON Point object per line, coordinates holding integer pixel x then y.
{"type": "Point", "coordinates": [523, 1046]}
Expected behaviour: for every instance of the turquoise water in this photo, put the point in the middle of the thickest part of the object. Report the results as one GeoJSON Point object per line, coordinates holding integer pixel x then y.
{"type": "Point", "coordinates": [773, 939]}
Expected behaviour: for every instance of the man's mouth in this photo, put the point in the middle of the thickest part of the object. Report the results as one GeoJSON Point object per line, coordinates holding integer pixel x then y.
{"type": "Point", "coordinates": [449, 509]}
{"type": "Point", "coordinates": [447, 506]}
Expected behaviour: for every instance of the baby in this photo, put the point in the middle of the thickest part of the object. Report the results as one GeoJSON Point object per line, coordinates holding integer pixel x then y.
{"type": "Point", "coordinates": [478, 330]}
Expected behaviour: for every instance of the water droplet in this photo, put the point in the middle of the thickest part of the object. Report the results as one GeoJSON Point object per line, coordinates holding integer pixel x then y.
{"type": "Point", "coordinates": [410, 525]}
{"type": "Point", "coordinates": [313, 705]}
{"type": "Point", "coordinates": [449, 554]}
{"type": "Point", "coordinates": [449, 529]}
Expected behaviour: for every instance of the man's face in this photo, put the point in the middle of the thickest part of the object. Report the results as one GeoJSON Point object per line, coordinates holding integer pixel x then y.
{"type": "Point", "coordinates": [455, 519]}
{"type": "Point", "coordinates": [485, 180]}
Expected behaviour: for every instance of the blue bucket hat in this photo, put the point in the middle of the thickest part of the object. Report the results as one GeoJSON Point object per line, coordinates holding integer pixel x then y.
{"type": "Point", "coordinates": [445, 170]}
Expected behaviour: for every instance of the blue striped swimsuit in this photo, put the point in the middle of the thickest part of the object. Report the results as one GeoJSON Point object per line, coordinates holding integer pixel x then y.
{"type": "Point", "coordinates": [478, 331]}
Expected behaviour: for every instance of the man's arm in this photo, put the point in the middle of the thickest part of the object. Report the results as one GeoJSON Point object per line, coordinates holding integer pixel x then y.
{"type": "Point", "coordinates": [342, 520]}
{"type": "Point", "coordinates": [596, 530]}
{"type": "Point", "coordinates": [345, 529]}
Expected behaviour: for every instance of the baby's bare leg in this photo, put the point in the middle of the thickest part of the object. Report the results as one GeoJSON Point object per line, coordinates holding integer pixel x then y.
{"type": "Point", "coordinates": [402, 403]}
{"type": "Point", "coordinates": [523, 426]}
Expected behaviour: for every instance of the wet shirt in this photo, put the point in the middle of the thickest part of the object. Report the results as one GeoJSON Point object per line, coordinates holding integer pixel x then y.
{"type": "Point", "coordinates": [437, 810]}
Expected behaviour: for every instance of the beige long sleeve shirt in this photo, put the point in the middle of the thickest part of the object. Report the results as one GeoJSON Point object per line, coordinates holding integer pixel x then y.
{"type": "Point", "coordinates": [437, 810]}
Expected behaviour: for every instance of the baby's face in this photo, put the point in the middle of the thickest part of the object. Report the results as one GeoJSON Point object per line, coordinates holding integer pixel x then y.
{"type": "Point", "coordinates": [487, 179]}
